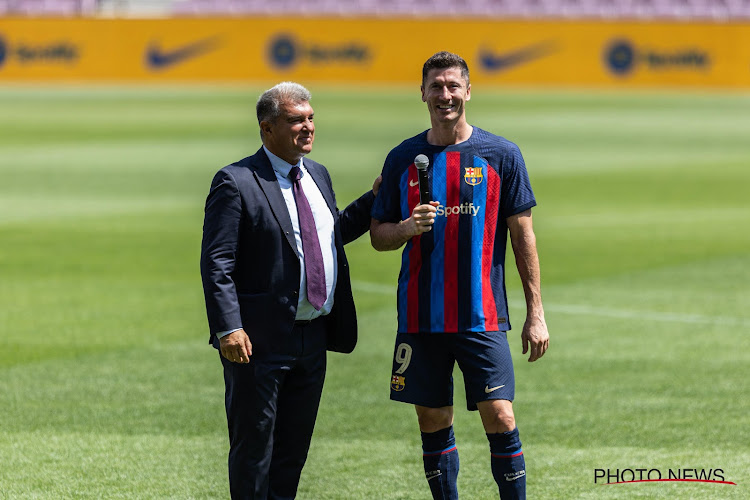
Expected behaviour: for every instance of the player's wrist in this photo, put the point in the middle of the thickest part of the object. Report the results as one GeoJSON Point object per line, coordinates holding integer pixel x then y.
{"type": "Point", "coordinates": [535, 317]}
{"type": "Point", "coordinates": [408, 229]}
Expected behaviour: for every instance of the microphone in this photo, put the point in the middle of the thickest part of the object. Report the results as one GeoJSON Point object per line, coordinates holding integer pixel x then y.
{"type": "Point", "coordinates": [421, 162]}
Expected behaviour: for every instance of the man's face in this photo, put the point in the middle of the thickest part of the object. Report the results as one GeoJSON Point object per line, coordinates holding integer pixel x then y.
{"type": "Point", "coordinates": [445, 91]}
{"type": "Point", "coordinates": [291, 135]}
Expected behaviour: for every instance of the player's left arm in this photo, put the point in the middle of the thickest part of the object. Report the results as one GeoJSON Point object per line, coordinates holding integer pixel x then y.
{"type": "Point", "coordinates": [535, 337]}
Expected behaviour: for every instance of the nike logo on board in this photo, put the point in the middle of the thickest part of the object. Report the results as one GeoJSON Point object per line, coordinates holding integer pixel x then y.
{"type": "Point", "coordinates": [157, 58]}
{"type": "Point", "coordinates": [488, 389]}
{"type": "Point", "coordinates": [501, 62]}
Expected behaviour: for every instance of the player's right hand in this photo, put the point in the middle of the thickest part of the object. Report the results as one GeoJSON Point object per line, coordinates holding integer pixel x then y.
{"type": "Point", "coordinates": [236, 347]}
{"type": "Point", "coordinates": [423, 217]}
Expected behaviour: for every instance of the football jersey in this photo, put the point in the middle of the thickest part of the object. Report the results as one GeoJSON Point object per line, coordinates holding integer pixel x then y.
{"type": "Point", "coordinates": [452, 278]}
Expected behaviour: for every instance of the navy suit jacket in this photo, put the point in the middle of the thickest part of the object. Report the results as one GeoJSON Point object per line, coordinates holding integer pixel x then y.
{"type": "Point", "coordinates": [249, 262]}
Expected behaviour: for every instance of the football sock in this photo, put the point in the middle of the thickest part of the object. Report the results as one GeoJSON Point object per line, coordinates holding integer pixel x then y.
{"type": "Point", "coordinates": [440, 457]}
{"type": "Point", "coordinates": [508, 465]}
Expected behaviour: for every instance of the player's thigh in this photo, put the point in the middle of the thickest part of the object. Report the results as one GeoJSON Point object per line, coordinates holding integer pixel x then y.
{"type": "Point", "coordinates": [422, 370]}
{"type": "Point", "coordinates": [487, 366]}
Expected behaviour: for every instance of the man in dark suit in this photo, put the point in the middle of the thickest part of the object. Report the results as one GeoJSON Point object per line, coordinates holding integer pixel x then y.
{"type": "Point", "coordinates": [278, 293]}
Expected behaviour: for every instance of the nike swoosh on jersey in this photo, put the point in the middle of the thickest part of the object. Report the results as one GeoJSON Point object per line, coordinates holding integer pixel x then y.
{"type": "Point", "coordinates": [413, 183]}
{"type": "Point", "coordinates": [488, 389]}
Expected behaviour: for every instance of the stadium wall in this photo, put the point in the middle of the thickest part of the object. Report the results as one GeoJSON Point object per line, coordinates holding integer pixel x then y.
{"type": "Point", "coordinates": [344, 51]}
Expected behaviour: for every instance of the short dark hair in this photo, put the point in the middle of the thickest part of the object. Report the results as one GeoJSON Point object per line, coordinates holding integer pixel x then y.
{"type": "Point", "coordinates": [445, 60]}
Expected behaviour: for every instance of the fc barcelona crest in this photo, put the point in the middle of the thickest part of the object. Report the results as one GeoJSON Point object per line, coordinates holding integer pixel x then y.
{"type": "Point", "coordinates": [473, 176]}
{"type": "Point", "coordinates": [397, 383]}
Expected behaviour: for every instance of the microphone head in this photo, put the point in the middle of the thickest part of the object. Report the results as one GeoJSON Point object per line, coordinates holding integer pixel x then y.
{"type": "Point", "coordinates": [421, 162]}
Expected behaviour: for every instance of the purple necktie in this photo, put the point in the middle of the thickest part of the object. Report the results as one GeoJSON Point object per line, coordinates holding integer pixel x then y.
{"type": "Point", "coordinates": [314, 271]}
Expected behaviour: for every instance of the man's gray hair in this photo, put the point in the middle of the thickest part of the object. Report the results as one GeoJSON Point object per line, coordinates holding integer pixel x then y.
{"type": "Point", "coordinates": [268, 107]}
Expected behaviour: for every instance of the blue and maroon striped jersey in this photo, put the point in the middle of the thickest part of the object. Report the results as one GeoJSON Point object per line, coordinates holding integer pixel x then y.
{"type": "Point", "coordinates": [452, 278]}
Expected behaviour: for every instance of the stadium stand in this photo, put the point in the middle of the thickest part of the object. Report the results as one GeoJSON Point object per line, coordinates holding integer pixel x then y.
{"type": "Point", "coordinates": [48, 8]}
{"type": "Point", "coordinates": [51, 8]}
{"type": "Point", "coordinates": [718, 10]}
{"type": "Point", "coordinates": [712, 10]}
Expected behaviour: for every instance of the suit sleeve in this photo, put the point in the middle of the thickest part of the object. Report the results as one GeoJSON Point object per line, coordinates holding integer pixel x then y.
{"type": "Point", "coordinates": [221, 228]}
{"type": "Point", "coordinates": [355, 219]}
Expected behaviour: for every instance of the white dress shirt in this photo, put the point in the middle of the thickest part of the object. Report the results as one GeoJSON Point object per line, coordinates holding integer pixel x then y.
{"type": "Point", "coordinates": [323, 223]}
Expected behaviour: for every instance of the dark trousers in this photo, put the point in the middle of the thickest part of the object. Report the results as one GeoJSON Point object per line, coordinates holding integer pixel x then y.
{"type": "Point", "coordinates": [271, 405]}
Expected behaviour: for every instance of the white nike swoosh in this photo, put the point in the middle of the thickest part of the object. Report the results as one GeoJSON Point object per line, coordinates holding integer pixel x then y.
{"type": "Point", "coordinates": [413, 183]}
{"type": "Point", "coordinates": [488, 390]}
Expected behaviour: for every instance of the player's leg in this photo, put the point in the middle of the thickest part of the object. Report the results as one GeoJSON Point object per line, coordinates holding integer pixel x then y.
{"type": "Point", "coordinates": [484, 359]}
{"type": "Point", "coordinates": [507, 461]}
{"type": "Point", "coordinates": [439, 452]}
{"type": "Point", "coordinates": [422, 376]}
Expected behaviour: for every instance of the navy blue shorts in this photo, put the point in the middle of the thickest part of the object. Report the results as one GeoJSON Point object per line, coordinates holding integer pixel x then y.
{"type": "Point", "coordinates": [423, 368]}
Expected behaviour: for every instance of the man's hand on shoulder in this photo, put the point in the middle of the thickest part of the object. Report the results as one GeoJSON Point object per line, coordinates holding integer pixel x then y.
{"type": "Point", "coordinates": [236, 347]}
{"type": "Point", "coordinates": [376, 185]}
{"type": "Point", "coordinates": [535, 337]}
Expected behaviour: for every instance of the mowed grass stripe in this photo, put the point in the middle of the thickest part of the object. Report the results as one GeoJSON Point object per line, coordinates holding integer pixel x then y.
{"type": "Point", "coordinates": [579, 309]}
{"type": "Point", "coordinates": [18, 208]}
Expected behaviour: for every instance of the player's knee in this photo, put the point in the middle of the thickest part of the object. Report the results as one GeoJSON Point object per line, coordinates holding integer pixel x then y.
{"type": "Point", "coordinates": [505, 422]}
{"type": "Point", "coordinates": [497, 416]}
{"type": "Point", "coordinates": [500, 423]}
{"type": "Point", "coordinates": [434, 419]}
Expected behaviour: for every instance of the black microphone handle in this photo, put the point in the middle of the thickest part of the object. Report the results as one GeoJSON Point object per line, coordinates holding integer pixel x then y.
{"type": "Point", "coordinates": [424, 187]}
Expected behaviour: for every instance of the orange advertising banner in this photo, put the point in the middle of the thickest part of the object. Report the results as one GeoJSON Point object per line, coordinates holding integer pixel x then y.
{"type": "Point", "coordinates": [600, 54]}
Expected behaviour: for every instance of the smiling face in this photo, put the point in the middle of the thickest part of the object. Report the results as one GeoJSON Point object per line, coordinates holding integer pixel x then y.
{"type": "Point", "coordinates": [291, 135]}
{"type": "Point", "coordinates": [445, 91]}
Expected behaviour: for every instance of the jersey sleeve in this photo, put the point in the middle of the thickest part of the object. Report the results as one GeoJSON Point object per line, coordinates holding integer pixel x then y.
{"type": "Point", "coordinates": [517, 195]}
{"type": "Point", "coordinates": [387, 207]}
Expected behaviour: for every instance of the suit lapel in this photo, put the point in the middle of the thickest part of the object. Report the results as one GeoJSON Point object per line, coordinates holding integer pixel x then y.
{"type": "Point", "coordinates": [269, 184]}
{"type": "Point", "coordinates": [319, 177]}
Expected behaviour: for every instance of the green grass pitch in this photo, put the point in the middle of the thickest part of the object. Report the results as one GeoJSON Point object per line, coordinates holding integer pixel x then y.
{"type": "Point", "coordinates": [109, 390]}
